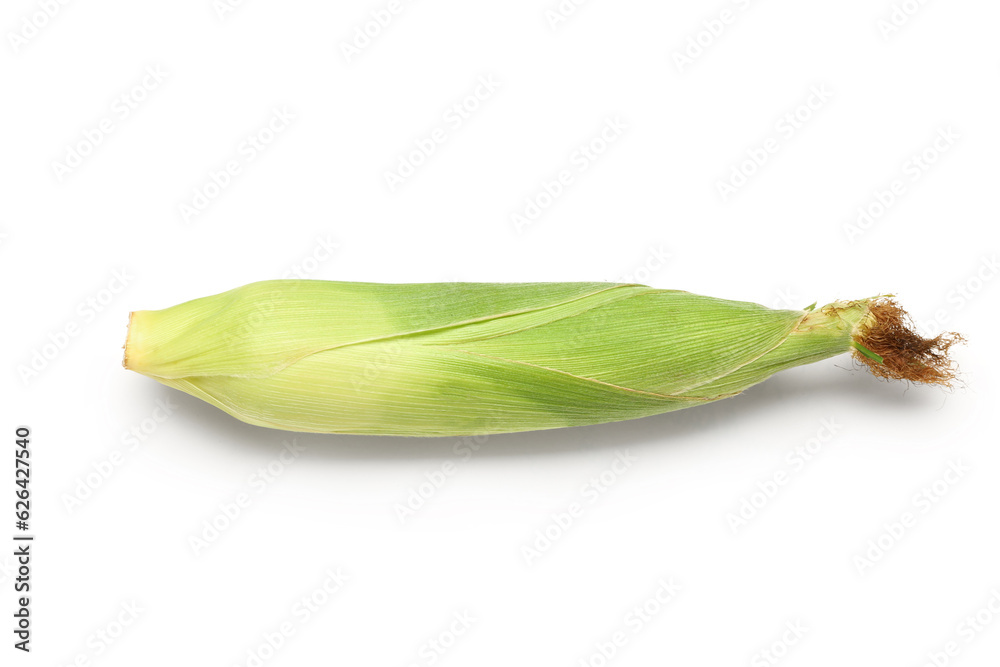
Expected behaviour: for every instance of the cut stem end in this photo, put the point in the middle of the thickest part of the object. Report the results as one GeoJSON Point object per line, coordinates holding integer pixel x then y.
{"type": "Point", "coordinates": [128, 331]}
{"type": "Point", "coordinates": [889, 334]}
{"type": "Point", "coordinates": [132, 352]}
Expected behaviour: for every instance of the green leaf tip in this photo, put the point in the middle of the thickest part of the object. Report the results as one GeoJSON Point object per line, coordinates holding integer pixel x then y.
{"type": "Point", "coordinates": [865, 351]}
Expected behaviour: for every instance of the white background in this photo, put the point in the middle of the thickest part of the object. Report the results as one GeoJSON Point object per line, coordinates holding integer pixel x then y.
{"type": "Point", "coordinates": [87, 239]}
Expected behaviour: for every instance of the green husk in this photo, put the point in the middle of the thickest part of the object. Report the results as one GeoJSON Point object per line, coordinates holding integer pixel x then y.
{"type": "Point", "coordinates": [440, 359]}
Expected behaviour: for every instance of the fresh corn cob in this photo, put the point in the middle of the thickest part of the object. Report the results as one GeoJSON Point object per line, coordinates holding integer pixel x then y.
{"type": "Point", "coordinates": [440, 359]}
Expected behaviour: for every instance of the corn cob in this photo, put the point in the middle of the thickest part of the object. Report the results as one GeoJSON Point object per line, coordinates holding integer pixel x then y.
{"type": "Point", "coordinates": [477, 358]}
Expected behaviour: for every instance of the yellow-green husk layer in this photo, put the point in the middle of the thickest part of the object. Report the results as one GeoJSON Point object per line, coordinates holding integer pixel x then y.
{"type": "Point", "coordinates": [439, 359]}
